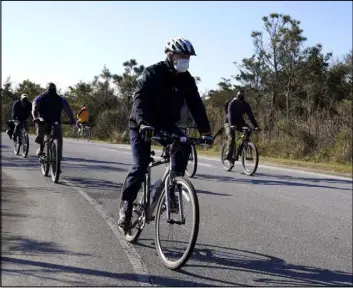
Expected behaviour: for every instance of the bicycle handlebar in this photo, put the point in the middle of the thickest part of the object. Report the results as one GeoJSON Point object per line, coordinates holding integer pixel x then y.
{"type": "Point", "coordinates": [163, 135]}
{"type": "Point", "coordinates": [41, 120]}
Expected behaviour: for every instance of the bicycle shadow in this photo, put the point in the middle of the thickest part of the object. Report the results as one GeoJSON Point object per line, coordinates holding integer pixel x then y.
{"type": "Point", "coordinates": [264, 269]}
{"type": "Point", "coordinates": [55, 272]}
{"type": "Point", "coordinates": [258, 180]}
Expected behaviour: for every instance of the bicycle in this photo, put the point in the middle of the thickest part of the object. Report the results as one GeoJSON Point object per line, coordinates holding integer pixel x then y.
{"type": "Point", "coordinates": [192, 168]}
{"type": "Point", "coordinates": [50, 160]}
{"type": "Point", "coordinates": [84, 132]}
{"type": "Point", "coordinates": [22, 139]}
{"type": "Point", "coordinates": [247, 146]}
{"type": "Point", "coordinates": [143, 207]}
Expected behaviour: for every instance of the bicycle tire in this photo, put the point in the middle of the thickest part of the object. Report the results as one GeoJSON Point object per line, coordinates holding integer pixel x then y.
{"type": "Point", "coordinates": [253, 146]}
{"type": "Point", "coordinates": [45, 160]}
{"type": "Point", "coordinates": [194, 168]}
{"type": "Point", "coordinates": [55, 174]}
{"type": "Point", "coordinates": [25, 140]}
{"type": "Point", "coordinates": [195, 229]}
{"type": "Point", "coordinates": [223, 152]}
{"type": "Point", "coordinates": [133, 238]}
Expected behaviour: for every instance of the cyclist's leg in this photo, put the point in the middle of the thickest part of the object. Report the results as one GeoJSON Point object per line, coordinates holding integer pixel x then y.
{"type": "Point", "coordinates": [230, 141]}
{"type": "Point", "coordinates": [179, 157]}
{"type": "Point", "coordinates": [179, 154]}
{"type": "Point", "coordinates": [16, 130]}
{"type": "Point", "coordinates": [240, 146]}
{"type": "Point", "coordinates": [11, 126]}
{"type": "Point", "coordinates": [78, 123]}
{"type": "Point", "coordinates": [40, 132]}
{"type": "Point", "coordinates": [141, 157]}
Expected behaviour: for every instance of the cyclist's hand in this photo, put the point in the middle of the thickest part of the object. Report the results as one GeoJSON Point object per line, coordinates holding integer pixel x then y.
{"type": "Point", "coordinates": [146, 132]}
{"type": "Point", "coordinates": [257, 129]}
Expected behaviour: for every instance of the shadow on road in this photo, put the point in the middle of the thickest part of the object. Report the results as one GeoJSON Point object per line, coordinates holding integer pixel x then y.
{"type": "Point", "coordinates": [265, 269]}
{"type": "Point", "coordinates": [99, 184]}
{"type": "Point", "coordinates": [211, 193]}
{"type": "Point", "coordinates": [73, 159]}
{"type": "Point", "coordinates": [32, 162]}
{"type": "Point", "coordinates": [258, 180]}
{"type": "Point", "coordinates": [49, 269]}
{"type": "Point", "coordinates": [27, 246]}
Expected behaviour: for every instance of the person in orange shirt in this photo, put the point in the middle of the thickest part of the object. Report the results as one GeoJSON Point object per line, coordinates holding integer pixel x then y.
{"type": "Point", "coordinates": [82, 117]}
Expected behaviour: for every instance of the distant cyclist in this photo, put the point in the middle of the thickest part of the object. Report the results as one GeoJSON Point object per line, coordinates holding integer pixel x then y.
{"type": "Point", "coordinates": [21, 110]}
{"type": "Point", "coordinates": [235, 108]}
{"type": "Point", "coordinates": [82, 117]}
{"type": "Point", "coordinates": [48, 106]}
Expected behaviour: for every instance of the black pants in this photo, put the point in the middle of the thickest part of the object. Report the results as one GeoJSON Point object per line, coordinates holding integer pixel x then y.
{"type": "Point", "coordinates": [231, 139]}
{"type": "Point", "coordinates": [14, 129]}
{"type": "Point", "coordinates": [141, 158]}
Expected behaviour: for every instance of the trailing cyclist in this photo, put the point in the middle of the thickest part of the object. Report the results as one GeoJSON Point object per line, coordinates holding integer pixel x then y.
{"type": "Point", "coordinates": [82, 117]}
{"type": "Point", "coordinates": [235, 108]}
{"type": "Point", "coordinates": [48, 106]}
{"type": "Point", "coordinates": [21, 110]}
{"type": "Point", "coordinates": [159, 96]}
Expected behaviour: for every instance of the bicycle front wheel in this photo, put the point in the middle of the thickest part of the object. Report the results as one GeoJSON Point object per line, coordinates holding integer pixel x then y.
{"type": "Point", "coordinates": [186, 191]}
{"type": "Point", "coordinates": [45, 160]}
{"type": "Point", "coordinates": [192, 164]}
{"type": "Point", "coordinates": [55, 157]}
{"type": "Point", "coordinates": [250, 158]}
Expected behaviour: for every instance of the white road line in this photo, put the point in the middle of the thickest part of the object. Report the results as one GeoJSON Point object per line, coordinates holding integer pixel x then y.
{"type": "Point", "coordinates": [137, 263]}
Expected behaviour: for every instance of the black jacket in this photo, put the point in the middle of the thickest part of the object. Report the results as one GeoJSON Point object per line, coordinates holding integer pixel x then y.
{"type": "Point", "coordinates": [160, 95]}
{"type": "Point", "coordinates": [236, 110]}
{"type": "Point", "coordinates": [21, 112]}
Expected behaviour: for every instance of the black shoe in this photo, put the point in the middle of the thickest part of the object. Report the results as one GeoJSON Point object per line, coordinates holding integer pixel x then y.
{"type": "Point", "coordinates": [125, 215]}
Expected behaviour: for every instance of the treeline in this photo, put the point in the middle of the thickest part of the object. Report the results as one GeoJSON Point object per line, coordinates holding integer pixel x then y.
{"type": "Point", "coordinates": [301, 97]}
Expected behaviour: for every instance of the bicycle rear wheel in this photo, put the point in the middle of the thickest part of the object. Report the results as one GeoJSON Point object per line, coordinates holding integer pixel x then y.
{"type": "Point", "coordinates": [250, 153]}
{"type": "Point", "coordinates": [188, 191]}
{"type": "Point", "coordinates": [192, 164]}
{"type": "Point", "coordinates": [25, 143]}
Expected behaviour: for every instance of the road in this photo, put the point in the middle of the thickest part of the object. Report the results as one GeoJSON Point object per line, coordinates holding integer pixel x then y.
{"type": "Point", "coordinates": [280, 227]}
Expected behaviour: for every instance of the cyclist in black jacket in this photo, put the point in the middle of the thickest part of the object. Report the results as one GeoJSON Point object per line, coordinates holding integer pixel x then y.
{"type": "Point", "coordinates": [235, 109]}
{"type": "Point", "coordinates": [161, 91]}
{"type": "Point", "coordinates": [21, 110]}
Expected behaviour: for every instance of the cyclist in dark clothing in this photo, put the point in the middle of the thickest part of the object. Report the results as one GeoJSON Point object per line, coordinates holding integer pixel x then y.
{"type": "Point", "coordinates": [48, 106]}
{"type": "Point", "coordinates": [235, 109]}
{"type": "Point", "coordinates": [21, 110]}
{"type": "Point", "coordinates": [161, 91]}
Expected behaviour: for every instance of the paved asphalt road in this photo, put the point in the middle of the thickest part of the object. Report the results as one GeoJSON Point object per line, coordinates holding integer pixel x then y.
{"type": "Point", "coordinates": [278, 228]}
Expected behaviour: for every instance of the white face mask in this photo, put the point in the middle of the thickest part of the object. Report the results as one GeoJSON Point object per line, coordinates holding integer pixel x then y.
{"type": "Point", "coordinates": [181, 65]}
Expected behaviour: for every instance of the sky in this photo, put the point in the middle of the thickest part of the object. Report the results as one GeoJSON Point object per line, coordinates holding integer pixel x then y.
{"type": "Point", "coordinates": [65, 42]}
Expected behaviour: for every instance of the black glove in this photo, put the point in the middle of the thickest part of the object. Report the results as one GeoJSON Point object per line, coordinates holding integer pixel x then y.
{"type": "Point", "coordinates": [146, 132]}
{"type": "Point", "coordinates": [207, 138]}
